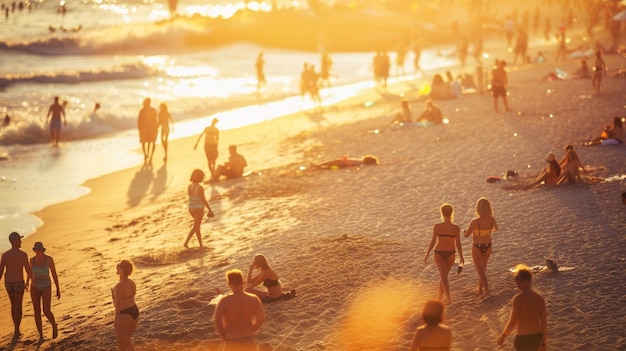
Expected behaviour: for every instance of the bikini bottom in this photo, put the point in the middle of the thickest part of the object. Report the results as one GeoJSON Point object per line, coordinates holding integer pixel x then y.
{"type": "Point", "coordinates": [131, 311]}
{"type": "Point", "coordinates": [483, 247]}
{"type": "Point", "coordinates": [445, 254]}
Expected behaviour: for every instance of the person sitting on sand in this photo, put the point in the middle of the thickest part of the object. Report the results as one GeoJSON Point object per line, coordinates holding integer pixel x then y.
{"type": "Point", "coordinates": [344, 162]}
{"type": "Point", "coordinates": [233, 168]}
{"type": "Point", "coordinates": [529, 316]}
{"type": "Point", "coordinates": [447, 236]}
{"type": "Point", "coordinates": [551, 173]}
{"type": "Point", "coordinates": [569, 166]}
{"type": "Point", "coordinates": [481, 228]}
{"type": "Point", "coordinates": [431, 113]}
{"type": "Point", "coordinates": [434, 335]}
{"type": "Point", "coordinates": [238, 316]}
{"type": "Point", "coordinates": [611, 135]}
{"type": "Point", "coordinates": [439, 89]}
{"type": "Point", "coordinates": [403, 118]}
{"type": "Point", "coordinates": [268, 277]}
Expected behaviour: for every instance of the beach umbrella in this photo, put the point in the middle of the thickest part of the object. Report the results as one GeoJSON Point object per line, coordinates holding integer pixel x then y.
{"type": "Point", "coordinates": [620, 16]}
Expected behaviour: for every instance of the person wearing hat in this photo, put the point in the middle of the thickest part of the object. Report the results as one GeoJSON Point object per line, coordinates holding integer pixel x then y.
{"type": "Point", "coordinates": [41, 287]}
{"type": "Point", "coordinates": [15, 261]}
{"type": "Point", "coordinates": [551, 173]}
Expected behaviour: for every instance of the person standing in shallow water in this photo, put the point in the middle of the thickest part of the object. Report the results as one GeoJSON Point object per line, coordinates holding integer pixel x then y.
{"type": "Point", "coordinates": [42, 266]}
{"type": "Point", "coordinates": [529, 316]}
{"type": "Point", "coordinates": [56, 110]}
{"type": "Point", "coordinates": [15, 262]}
{"type": "Point", "coordinates": [164, 122]}
{"type": "Point", "coordinates": [197, 202]}
{"type": "Point", "coordinates": [211, 139]}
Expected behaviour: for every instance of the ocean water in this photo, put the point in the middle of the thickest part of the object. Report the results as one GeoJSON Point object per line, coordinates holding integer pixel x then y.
{"type": "Point", "coordinates": [117, 53]}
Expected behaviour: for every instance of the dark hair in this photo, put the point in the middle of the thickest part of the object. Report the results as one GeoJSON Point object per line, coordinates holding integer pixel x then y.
{"type": "Point", "coordinates": [196, 176]}
{"type": "Point", "coordinates": [569, 147]}
{"type": "Point", "coordinates": [624, 197]}
{"type": "Point", "coordinates": [370, 160]}
{"type": "Point", "coordinates": [433, 313]}
{"type": "Point", "coordinates": [126, 266]}
{"type": "Point", "coordinates": [523, 274]}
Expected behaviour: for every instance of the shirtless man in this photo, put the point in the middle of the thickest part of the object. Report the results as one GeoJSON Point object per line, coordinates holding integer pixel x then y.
{"type": "Point", "coordinates": [528, 316]}
{"type": "Point", "coordinates": [148, 126]}
{"type": "Point", "coordinates": [238, 316]}
{"type": "Point", "coordinates": [212, 136]}
{"type": "Point", "coordinates": [15, 261]}
{"type": "Point", "coordinates": [233, 168]}
{"type": "Point", "coordinates": [56, 110]}
{"type": "Point", "coordinates": [499, 81]}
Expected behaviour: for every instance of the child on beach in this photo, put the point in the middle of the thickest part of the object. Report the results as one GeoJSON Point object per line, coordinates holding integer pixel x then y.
{"type": "Point", "coordinates": [434, 335]}
{"type": "Point", "coordinates": [42, 266]}
{"type": "Point", "coordinates": [447, 236]}
{"type": "Point", "coordinates": [268, 277]}
{"type": "Point", "coordinates": [197, 202]}
{"type": "Point", "coordinates": [481, 228]}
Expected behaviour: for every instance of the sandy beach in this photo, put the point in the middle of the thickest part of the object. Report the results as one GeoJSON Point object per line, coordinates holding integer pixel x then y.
{"type": "Point", "coordinates": [351, 242]}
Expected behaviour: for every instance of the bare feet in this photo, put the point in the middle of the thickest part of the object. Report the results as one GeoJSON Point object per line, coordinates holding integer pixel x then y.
{"type": "Point", "coordinates": [55, 331]}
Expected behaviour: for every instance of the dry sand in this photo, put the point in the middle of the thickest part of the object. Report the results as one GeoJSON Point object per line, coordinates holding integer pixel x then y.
{"type": "Point", "coordinates": [351, 241]}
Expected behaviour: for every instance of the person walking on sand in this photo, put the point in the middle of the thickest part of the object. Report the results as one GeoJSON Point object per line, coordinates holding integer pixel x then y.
{"type": "Point", "coordinates": [599, 71]}
{"type": "Point", "coordinates": [211, 138]}
{"type": "Point", "coordinates": [42, 266]}
{"type": "Point", "coordinates": [434, 335]}
{"type": "Point", "coordinates": [13, 264]}
{"type": "Point", "coordinates": [239, 315]}
{"type": "Point", "coordinates": [499, 81]}
{"type": "Point", "coordinates": [481, 228]}
{"type": "Point", "coordinates": [164, 122]}
{"type": "Point", "coordinates": [233, 168]}
{"type": "Point", "coordinates": [447, 236]}
{"type": "Point", "coordinates": [126, 311]}
{"type": "Point", "coordinates": [260, 74]}
{"type": "Point", "coordinates": [148, 129]}
{"type": "Point", "coordinates": [529, 316]}
{"type": "Point", "coordinates": [56, 110]}
{"type": "Point", "coordinates": [268, 277]}
{"type": "Point", "coordinates": [197, 203]}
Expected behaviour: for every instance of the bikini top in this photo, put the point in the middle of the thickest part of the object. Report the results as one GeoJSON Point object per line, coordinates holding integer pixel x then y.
{"type": "Point", "coordinates": [41, 274]}
{"type": "Point", "coordinates": [270, 282]}
{"type": "Point", "coordinates": [448, 235]}
{"type": "Point", "coordinates": [194, 200]}
{"type": "Point", "coordinates": [483, 232]}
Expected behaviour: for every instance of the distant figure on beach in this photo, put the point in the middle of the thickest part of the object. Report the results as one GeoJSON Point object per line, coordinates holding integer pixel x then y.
{"type": "Point", "coordinates": [481, 228]}
{"type": "Point", "coordinates": [463, 50]}
{"type": "Point", "coordinates": [148, 126]}
{"type": "Point", "coordinates": [570, 165]}
{"type": "Point", "coordinates": [381, 66]}
{"type": "Point", "coordinates": [6, 121]}
{"type": "Point", "coordinates": [126, 311]}
{"type": "Point", "coordinates": [260, 73]}
{"type": "Point", "coordinates": [521, 46]}
{"type": "Point", "coordinates": [326, 64]}
{"type": "Point", "coordinates": [499, 81]}
{"type": "Point", "coordinates": [165, 117]}
{"type": "Point", "coordinates": [551, 173]}
{"type": "Point", "coordinates": [42, 266]}
{"type": "Point", "coordinates": [211, 139]}
{"type": "Point", "coordinates": [583, 71]}
{"type": "Point", "coordinates": [233, 168]}
{"type": "Point", "coordinates": [238, 316]}
{"type": "Point", "coordinates": [529, 316]}
{"type": "Point", "coordinates": [13, 264]}
{"type": "Point", "coordinates": [611, 135]}
{"type": "Point", "coordinates": [599, 71]}
{"type": "Point", "coordinates": [268, 277]}
{"type": "Point", "coordinates": [400, 58]}
{"type": "Point", "coordinates": [56, 110]}
{"type": "Point", "coordinates": [561, 51]}
{"type": "Point", "coordinates": [434, 335]}
{"type": "Point", "coordinates": [431, 113]}
{"type": "Point", "coordinates": [446, 236]}
{"type": "Point", "coordinates": [440, 89]}
{"type": "Point", "coordinates": [455, 85]}
{"type": "Point", "coordinates": [345, 162]}
{"type": "Point", "coordinates": [404, 117]}
{"type": "Point", "coordinates": [197, 203]}
{"type": "Point", "coordinates": [309, 83]}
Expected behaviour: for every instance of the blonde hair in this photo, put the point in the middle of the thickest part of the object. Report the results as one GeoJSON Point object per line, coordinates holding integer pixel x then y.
{"type": "Point", "coordinates": [446, 211]}
{"type": "Point", "coordinates": [261, 261]}
{"type": "Point", "coordinates": [234, 277]}
{"type": "Point", "coordinates": [483, 208]}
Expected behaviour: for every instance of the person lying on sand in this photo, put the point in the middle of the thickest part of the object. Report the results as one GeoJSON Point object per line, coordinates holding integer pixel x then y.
{"type": "Point", "coordinates": [611, 135]}
{"type": "Point", "coordinates": [344, 162]}
{"type": "Point", "coordinates": [268, 277]}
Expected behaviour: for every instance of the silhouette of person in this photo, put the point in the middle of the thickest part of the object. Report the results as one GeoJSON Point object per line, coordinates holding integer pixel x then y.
{"type": "Point", "coordinates": [6, 121]}
{"type": "Point", "coordinates": [260, 75]}
{"type": "Point", "coordinates": [326, 64]}
{"type": "Point", "coordinates": [148, 129]}
{"type": "Point", "coordinates": [599, 71]}
{"type": "Point", "coordinates": [164, 122]}
{"type": "Point", "coordinates": [15, 262]}
{"type": "Point", "coordinates": [211, 139]}
{"type": "Point", "coordinates": [233, 168]}
{"type": "Point", "coordinates": [56, 110]}
{"type": "Point", "coordinates": [499, 81]}
{"type": "Point", "coordinates": [417, 55]}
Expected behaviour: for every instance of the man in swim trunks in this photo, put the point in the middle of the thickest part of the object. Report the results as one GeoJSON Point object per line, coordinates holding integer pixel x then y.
{"type": "Point", "coordinates": [15, 261]}
{"type": "Point", "coordinates": [528, 316]}
{"type": "Point", "coordinates": [499, 81]}
{"type": "Point", "coordinates": [56, 110]}
{"type": "Point", "coordinates": [148, 126]}
{"type": "Point", "coordinates": [211, 139]}
{"type": "Point", "coordinates": [238, 316]}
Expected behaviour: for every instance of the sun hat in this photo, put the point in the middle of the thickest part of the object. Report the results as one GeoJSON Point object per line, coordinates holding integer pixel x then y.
{"type": "Point", "coordinates": [14, 236]}
{"type": "Point", "coordinates": [550, 157]}
{"type": "Point", "coordinates": [39, 246]}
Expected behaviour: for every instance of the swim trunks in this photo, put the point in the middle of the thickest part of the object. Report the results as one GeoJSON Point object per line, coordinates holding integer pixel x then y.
{"type": "Point", "coordinates": [15, 287]}
{"type": "Point", "coordinates": [528, 342]}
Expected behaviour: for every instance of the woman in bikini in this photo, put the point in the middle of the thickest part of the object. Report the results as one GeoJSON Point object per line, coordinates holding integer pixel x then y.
{"type": "Point", "coordinates": [481, 228]}
{"type": "Point", "coordinates": [126, 311]}
{"type": "Point", "coordinates": [599, 70]}
{"type": "Point", "coordinates": [197, 203]}
{"type": "Point", "coordinates": [268, 278]}
{"type": "Point", "coordinates": [164, 122]}
{"type": "Point", "coordinates": [446, 235]}
{"type": "Point", "coordinates": [41, 288]}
